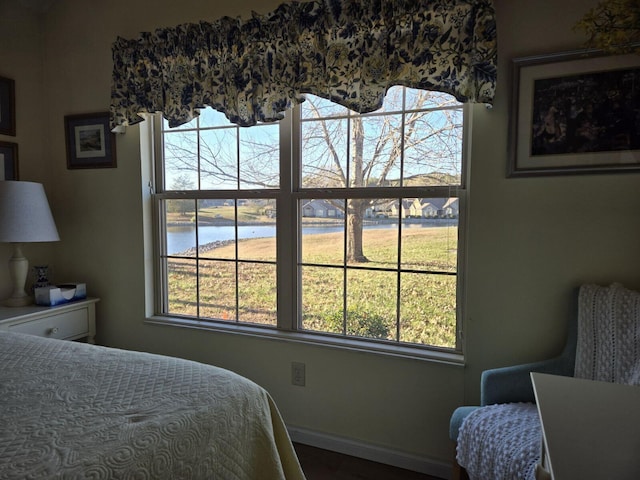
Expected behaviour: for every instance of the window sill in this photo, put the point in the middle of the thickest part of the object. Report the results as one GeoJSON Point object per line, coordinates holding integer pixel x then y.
{"type": "Point", "coordinates": [352, 344]}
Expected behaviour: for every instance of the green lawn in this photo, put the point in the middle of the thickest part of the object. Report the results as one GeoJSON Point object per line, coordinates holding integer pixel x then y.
{"type": "Point", "coordinates": [428, 300]}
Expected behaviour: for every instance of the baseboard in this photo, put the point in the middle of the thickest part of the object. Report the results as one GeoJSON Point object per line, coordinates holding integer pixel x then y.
{"type": "Point", "coordinates": [374, 453]}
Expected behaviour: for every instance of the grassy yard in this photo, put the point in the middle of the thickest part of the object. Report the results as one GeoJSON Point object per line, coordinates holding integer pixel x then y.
{"type": "Point", "coordinates": [427, 293]}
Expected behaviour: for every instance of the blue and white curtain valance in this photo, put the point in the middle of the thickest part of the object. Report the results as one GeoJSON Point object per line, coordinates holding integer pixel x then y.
{"type": "Point", "coordinates": [348, 51]}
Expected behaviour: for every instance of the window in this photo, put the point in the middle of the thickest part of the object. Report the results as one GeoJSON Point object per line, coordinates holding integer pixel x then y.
{"type": "Point", "coordinates": [330, 223]}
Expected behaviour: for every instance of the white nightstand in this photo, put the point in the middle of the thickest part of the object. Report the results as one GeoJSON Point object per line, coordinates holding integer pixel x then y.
{"type": "Point", "coordinates": [70, 321]}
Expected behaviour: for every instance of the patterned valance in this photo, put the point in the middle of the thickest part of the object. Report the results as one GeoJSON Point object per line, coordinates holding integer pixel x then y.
{"type": "Point", "coordinates": [348, 51]}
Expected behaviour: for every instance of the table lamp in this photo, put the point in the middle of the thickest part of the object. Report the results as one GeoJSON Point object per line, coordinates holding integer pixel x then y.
{"type": "Point", "coordinates": [25, 217]}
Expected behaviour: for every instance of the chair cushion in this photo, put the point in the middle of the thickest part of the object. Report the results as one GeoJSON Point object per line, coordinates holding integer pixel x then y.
{"type": "Point", "coordinates": [500, 442]}
{"type": "Point", "coordinates": [608, 347]}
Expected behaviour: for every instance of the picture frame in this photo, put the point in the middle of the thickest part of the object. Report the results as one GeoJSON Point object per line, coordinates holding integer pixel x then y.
{"type": "Point", "coordinates": [7, 106]}
{"type": "Point", "coordinates": [574, 113]}
{"type": "Point", "coordinates": [90, 143]}
{"type": "Point", "coordinates": [9, 161]}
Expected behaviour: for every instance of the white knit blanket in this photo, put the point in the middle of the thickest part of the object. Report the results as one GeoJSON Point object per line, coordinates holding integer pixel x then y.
{"type": "Point", "coordinates": [608, 347]}
{"type": "Point", "coordinates": [500, 442]}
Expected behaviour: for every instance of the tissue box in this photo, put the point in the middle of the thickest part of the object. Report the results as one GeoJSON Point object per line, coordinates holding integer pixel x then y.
{"type": "Point", "coordinates": [58, 294]}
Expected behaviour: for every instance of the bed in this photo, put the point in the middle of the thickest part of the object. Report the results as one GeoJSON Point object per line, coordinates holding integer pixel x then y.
{"type": "Point", "coordinates": [70, 410]}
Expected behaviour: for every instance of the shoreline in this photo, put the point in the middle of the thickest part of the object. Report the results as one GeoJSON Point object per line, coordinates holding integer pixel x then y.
{"type": "Point", "coordinates": [208, 247]}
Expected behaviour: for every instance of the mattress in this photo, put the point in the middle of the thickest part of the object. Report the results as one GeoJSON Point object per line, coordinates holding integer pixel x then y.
{"type": "Point", "coordinates": [70, 410]}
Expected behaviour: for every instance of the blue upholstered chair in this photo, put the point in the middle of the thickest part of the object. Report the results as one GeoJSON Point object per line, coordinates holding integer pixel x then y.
{"type": "Point", "coordinates": [502, 437]}
{"type": "Point", "coordinates": [513, 384]}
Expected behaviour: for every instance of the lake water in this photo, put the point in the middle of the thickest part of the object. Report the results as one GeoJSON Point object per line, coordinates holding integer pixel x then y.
{"type": "Point", "coordinates": [180, 239]}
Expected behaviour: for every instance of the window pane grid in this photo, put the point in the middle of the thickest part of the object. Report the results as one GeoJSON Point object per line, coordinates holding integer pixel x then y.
{"type": "Point", "coordinates": [368, 176]}
{"type": "Point", "coordinates": [222, 273]}
{"type": "Point", "coordinates": [380, 317]}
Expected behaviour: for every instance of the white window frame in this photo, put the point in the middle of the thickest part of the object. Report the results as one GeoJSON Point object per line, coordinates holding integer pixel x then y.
{"type": "Point", "coordinates": [287, 197]}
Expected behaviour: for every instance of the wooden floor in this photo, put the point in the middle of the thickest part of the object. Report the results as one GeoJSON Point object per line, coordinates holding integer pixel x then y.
{"type": "Point", "coordinates": [319, 464]}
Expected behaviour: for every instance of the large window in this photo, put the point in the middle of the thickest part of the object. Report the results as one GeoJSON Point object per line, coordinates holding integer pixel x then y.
{"type": "Point", "coordinates": [331, 224]}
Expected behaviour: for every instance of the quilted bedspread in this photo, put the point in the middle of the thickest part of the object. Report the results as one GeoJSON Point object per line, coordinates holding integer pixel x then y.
{"type": "Point", "coordinates": [75, 411]}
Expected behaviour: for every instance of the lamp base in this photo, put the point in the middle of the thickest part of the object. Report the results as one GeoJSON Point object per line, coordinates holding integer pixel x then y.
{"type": "Point", "coordinates": [18, 268]}
{"type": "Point", "coordinates": [18, 301]}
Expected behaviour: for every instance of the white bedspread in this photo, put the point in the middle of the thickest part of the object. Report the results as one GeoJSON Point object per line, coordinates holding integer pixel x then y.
{"type": "Point", "coordinates": [75, 411]}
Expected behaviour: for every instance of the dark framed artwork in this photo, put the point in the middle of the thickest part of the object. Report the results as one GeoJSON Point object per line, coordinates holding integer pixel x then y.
{"type": "Point", "coordinates": [7, 106]}
{"type": "Point", "coordinates": [573, 113]}
{"type": "Point", "coordinates": [90, 143]}
{"type": "Point", "coordinates": [8, 161]}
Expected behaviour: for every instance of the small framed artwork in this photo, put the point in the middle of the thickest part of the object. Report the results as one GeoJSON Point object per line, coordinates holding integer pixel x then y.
{"type": "Point", "coordinates": [573, 113]}
{"type": "Point", "coordinates": [7, 107]}
{"type": "Point", "coordinates": [8, 161]}
{"type": "Point", "coordinates": [90, 143]}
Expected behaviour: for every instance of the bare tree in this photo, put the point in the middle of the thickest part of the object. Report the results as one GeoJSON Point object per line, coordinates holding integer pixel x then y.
{"type": "Point", "coordinates": [211, 156]}
{"type": "Point", "coordinates": [181, 182]}
{"type": "Point", "coordinates": [383, 149]}
{"type": "Point", "coordinates": [413, 140]}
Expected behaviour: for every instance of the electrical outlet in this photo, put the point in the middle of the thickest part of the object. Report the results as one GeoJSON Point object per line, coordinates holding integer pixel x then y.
{"type": "Point", "coordinates": [298, 374]}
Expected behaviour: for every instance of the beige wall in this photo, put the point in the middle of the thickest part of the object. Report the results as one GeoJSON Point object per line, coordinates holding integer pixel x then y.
{"type": "Point", "coordinates": [531, 241]}
{"type": "Point", "coordinates": [21, 60]}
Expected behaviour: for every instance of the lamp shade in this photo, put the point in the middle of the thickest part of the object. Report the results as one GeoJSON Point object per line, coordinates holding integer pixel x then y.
{"type": "Point", "coordinates": [25, 215]}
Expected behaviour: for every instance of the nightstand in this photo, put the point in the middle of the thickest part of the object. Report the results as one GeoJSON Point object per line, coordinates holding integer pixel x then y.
{"type": "Point", "coordinates": [70, 321]}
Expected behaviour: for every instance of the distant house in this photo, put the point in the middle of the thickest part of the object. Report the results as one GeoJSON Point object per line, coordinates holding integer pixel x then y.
{"type": "Point", "coordinates": [415, 210]}
{"type": "Point", "coordinates": [404, 209]}
{"type": "Point", "coordinates": [437, 202]}
{"type": "Point", "coordinates": [321, 209]}
{"type": "Point", "coordinates": [439, 207]}
{"type": "Point", "coordinates": [408, 208]}
{"type": "Point", "coordinates": [377, 210]}
{"type": "Point", "coordinates": [370, 212]}
{"type": "Point", "coordinates": [451, 209]}
{"type": "Point", "coordinates": [428, 210]}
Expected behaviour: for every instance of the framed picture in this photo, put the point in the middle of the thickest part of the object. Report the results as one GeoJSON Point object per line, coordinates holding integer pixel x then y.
{"type": "Point", "coordinates": [90, 143]}
{"type": "Point", "coordinates": [7, 107]}
{"type": "Point", "coordinates": [8, 161]}
{"type": "Point", "coordinates": [576, 112]}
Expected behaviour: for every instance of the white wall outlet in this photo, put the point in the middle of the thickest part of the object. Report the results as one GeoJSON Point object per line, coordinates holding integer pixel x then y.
{"type": "Point", "coordinates": [298, 374]}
